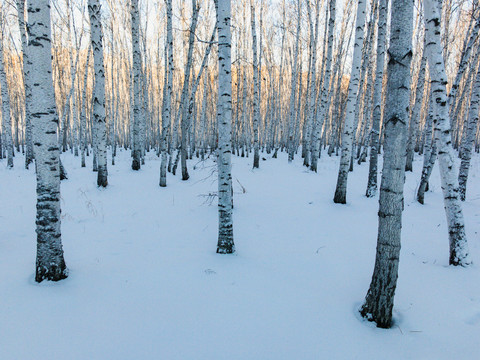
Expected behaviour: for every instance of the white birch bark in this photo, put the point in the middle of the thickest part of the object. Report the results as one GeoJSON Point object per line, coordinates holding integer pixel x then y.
{"type": "Point", "coordinates": [430, 153]}
{"type": "Point", "coordinates": [136, 73]}
{"type": "Point", "coordinates": [348, 131]}
{"type": "Point", "coordinates": [83, 112]}
{"type": "Point", "coordinates": [6, 118]}
{"type": "Point", "coordinates": [324, 99]}
{"type": "Point", "coordinates": [378, 303]}
{"type": "Point", "coordinates": [225, 243]}
{"type": "Point", "coordinates": [312, 91]}
{"type": "Point", "coordinates": [415, 115]}
{"type": "Point", "coordinates": [467, 144]}
{"type": "Point", "coordinates": [463, 63]}
{"type": "Point", "coordinates": [28, 93]}
{"type": "Point", "coordinates": [256, 94]}
{"type": "Point", "coordinates": [291, 120]}
{"type": "Point", "coordinates": [50, 263]}
{"type": "Point", "coordinates": [186, 91]}
{"type": "Point", "coordinates": [94, 9]}
{"type": "Point", "coordinates": [167, 110]}
{"type": "Point", "coordinates": [459, 254]}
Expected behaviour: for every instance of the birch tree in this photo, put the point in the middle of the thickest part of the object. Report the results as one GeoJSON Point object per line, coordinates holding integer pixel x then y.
{"type": "Point", "coordinates": [324, 101]}
{"type": "Point", "coordinates": [136, 73]}
{"type": "Point", "coordinates": [167, 101]}
{"type": "Point", "coordinates": [94, 9]}
{"type": "Point", "coordinates": [377, 99]}
{"type": "Point", "coordinates": [26, 84]}
{"type": "Point", "coordinates": [291, 120]}
{"type": "Point", "coordinates": [430, 153]}
{"type": "Point", "coordinates": [256, 94]}
{"type": "Point", "coordinates": [225, 243]}
{"type": "Point", "coordinates": [415, 114]}
{"type": "Point", "coordinates": [50, 263]}
{"type": "Point", "coordinates": [467, 144]}
{"type": "Point", "coordinates": [378, 303]}
{"type": "Point", "coordinates": [348, 132]}
{"type": "Point", "coordinates": [459, 254]}
{"type": "Point", "coordinates": [6, 118]}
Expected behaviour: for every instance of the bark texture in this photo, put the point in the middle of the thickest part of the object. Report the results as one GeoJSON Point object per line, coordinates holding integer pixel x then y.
{"type": "Point", "coordinates": [378, 304]}
{"type": "Point", "coordinates": [348, 131]}
{"type": "Point", "coordinates": [225, 243]}
{"type": "Point", "coordinates": [50, 264]}
{"type": "Point", "coordinates": [459, 254]}
{"type": "Point", "coordinates": [94, 10]}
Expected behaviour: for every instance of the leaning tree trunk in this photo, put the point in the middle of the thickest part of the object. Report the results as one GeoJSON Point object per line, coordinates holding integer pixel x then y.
{"type": "Point", "coordinates": [348, 132]}
{"type": "Point", "coordinates": [28, 92]}
{"type": "Point", "coordinates": [136, 69]}
{"type": "Point", "coordinates": [94, 8]}
{"type": "Point", "coordinates": [224, 117]}
{"type": "Point", "coordinates": [50, 263]}
{"type": "Point", "coordinates": [446, 156]}
{"type": "Point", "coordinates": [378, 304]}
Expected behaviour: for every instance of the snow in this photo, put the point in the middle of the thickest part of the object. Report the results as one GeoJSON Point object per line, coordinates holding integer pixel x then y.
{"type": "Point", "coordinates": [145, 282]}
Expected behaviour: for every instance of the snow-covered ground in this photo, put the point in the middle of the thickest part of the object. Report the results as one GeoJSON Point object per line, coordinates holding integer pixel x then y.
{"type": "Point", "coordinates": [145, 282]}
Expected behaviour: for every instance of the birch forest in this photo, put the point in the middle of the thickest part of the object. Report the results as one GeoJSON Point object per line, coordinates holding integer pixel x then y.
{"type": "Point", "coordinates": [329, 148]}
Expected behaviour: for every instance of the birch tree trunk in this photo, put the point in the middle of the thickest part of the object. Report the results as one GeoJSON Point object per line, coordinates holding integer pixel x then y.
{"type": "Point", "coordinates": [324, 103]}
{"type": "Point", "coordinates": [459, 254]}
{"type": "Point", "coordinates": [415, 114]}
{"type": "Point", "coordinates": [463, 62]}
{"type": "Point", "coordinates": [256, 94]}
{"type": "Point", "coordinates": [348, 132]}
{"type": "Point", "coordinates": [467, 144]}
{"type": "Point", "coordinates": [28, 93]}
{"type": "Point", "coordinates": [83, 112]}
{"type": "Point", "coordinates": [50, 264]}
{"type": "Point", "coordinates": [378, 304]}
{"type": "Point", "coordinates": [136, 69]}
{"type": "Point", "coordinates": [312, 83]}
{"type": "Point", "coordinates": [224, 117]}
{"type": "Point", "coordinates": [291, 120]}
{"type": "Point", "coordinates": [98, 120]}
{"type": "Point", "coordinates": [6, 118]}
{"type": "Point", "coordinates": [186, 91]}
{"type": "Point", "coordinates": [167, 111]}
{"type": "Point", "coordinates": [430, 154]}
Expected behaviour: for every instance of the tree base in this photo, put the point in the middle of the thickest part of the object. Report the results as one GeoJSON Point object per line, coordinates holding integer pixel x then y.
{"type": "Point", "coordinates": [54, 273]}
{"type": "Point", "coordinates": [381, 322]}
